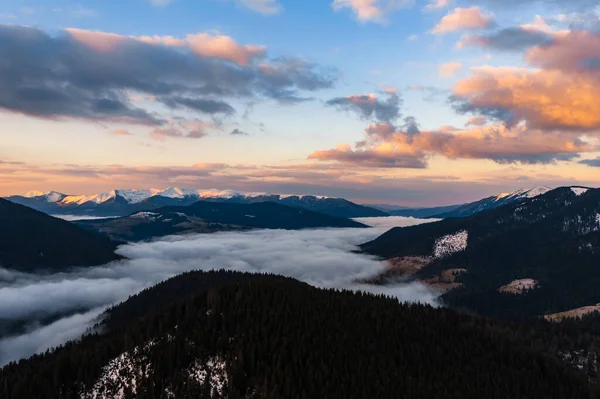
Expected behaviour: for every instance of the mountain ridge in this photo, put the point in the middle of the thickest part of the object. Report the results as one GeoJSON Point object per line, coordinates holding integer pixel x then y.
{"type": "Point", "coordinates": [125, 202]}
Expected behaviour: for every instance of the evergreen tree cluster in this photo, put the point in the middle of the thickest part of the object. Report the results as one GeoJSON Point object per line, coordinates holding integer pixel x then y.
{"type": "Point", "coordinates": [280, 338]}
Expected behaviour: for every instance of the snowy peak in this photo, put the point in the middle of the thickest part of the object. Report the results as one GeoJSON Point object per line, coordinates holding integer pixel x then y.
{"type": "Point", "coordinates": [523, 193]}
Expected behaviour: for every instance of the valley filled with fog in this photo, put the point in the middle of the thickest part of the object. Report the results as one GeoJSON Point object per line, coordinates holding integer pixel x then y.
{"type": "Point", "coordinates": [74, 300]}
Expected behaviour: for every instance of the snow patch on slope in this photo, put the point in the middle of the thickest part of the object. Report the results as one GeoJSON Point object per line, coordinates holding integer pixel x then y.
{"type": "Point", "coordinates": [451, 243]}
{"type": "Point", "coordinates": [216, 369]}
{"type": "Point", "coordinates": [579, 190]}
{"type": "Point", "coordinates": [121, 377]}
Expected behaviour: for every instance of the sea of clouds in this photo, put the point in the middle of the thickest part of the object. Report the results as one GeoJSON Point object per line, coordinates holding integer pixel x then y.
{"type": "Point", "coordinates": [322, 257]}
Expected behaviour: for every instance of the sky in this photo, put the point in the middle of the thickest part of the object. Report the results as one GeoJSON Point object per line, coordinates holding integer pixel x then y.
{"type": "Point", "coordinates": [408, 102]}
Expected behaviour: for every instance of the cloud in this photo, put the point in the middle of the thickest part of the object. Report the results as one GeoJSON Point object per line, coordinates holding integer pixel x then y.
{"type": "Point", "coordinates": [509, 39]}
{"type": "Point", "coordinates": [323, 258]}
{"type": "Point", "coordinates": [223, 47]}
{"type": "Point", "coordinates": [92, 72]}
{"type": "Point", "coordinates": [372, 10]}
{"type": "Point", "coordinates": [436, 5]}
{"type": "Point", "coordinates": [545, 99]}
{"type": "Point", "coordinates": [591, 162]}
{"type": "Point", "coordinates": [196, 129]}
{"type": "Point", "coordinates": [449, 69]}
{"type": "Point", "coordinates": [568, 51]}
{"type": "Point", "coordinates": [369, 106]}
{"type": "Point", "coordinates": [464, 18]}
{"type": "Point", "coordinates": [380, 156]}
{"type": "Point", "coordinates": [410, 147]}
{"type": "Point", "coordinates": [120, 132]}
{"type": "Point", "coordinates": [238, 132]}
{"type": "Point", "coordinates": [476, 121]}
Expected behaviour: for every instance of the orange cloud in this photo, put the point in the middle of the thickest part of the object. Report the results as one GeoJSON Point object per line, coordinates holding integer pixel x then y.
{"type": "Point", "coordinates": [386, 148]}
{"type": "Point", "coordinates": [545, 99]}
{"type": "Point", "coordinates": [448, 69]}
{"type": "Point", "coordinates": [464, 18]}
{"type": "Point", "coordinates": [568, 51]}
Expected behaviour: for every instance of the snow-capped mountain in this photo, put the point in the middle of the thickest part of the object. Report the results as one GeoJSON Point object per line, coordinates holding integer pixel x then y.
{"type": "Point", "coordinates": [125, 202]}
{"type": "Point", "coordinates": [471, 208]}
{"type": "Point", "coordinates": [494, 202]}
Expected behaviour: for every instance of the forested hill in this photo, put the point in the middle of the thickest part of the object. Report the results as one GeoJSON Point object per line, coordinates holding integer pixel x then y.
{"type": "Point", "coordinates": [31, 240]}
{"type": "Point", "coordinates": [552, 240]}
{"type": "Point", "coordinates": [209, 217]}
{"type": "Point", "coordinates": [274, 337]}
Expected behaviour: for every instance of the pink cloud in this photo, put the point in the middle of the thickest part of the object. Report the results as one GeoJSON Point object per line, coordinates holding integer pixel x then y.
{"type": "Point", "coordinates": [202, 44]}
{"type": "Point", "coordinates": [449, 69]}
{"type": "Point", "coordinates": [99, 41]}
{"type": "Point", "coordinates": [464, 18]}
{"type": "Point", "coordinates": [223, 47]}
{"type": "Point", "coordinates": [371, 10]}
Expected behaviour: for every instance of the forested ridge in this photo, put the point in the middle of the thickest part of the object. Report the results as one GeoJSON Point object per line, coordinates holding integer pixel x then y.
{"type": "Point", "coordinates": [210, 217]}
{"type": "Point", "coordinates": [553, 239]}
{"type": "Point", "coordinates": [33, 241]}
{"type": "Point", "coordinates": [280, 338]}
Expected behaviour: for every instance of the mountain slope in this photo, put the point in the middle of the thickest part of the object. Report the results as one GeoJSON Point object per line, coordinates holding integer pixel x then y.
{"type": "Point", "coordinates": [274, 337]}
{"type": "Point", "coordinates": [125, 202]}
{"type": "Point", "coordinates": [209, 217]}
{"type": "Point", "coordinates": [493, 202]}
{"type": "Point", "coordinates": [31, 240]}
{"type": "Point", "coordinates": [552, 239]}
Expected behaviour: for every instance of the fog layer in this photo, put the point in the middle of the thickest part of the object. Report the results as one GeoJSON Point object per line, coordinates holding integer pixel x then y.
{"type": "Point", "coordinates": [323, 258]}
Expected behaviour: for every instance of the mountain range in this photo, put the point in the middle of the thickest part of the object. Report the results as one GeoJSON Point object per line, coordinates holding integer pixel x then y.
{"type": "Point", "coordinates": [464, 210]}
{"type": "Point", "coordinates": [31, 240]}
{"type": "Point", "coordinates": [533, 257]}
{"type": "Point", "coordinates": [234, 335]}
{"type": "Point", "coordinates": [126, 202]}
{"type": "Point", "coordinates": [210, 217]}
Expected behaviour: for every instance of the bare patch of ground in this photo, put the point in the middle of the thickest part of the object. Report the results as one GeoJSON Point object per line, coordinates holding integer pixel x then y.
{"type": "Point", "coordinates": [405, 267]}
{"type": "Point", "coordinates": [519, 286]}
{"type": "Point", "coordinates": [569, 314]}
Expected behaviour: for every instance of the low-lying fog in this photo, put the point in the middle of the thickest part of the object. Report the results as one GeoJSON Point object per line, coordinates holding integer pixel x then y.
{"type": "Point", "coordinates": [322, 257]}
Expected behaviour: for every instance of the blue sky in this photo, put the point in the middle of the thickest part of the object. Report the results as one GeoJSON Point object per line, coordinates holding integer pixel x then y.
{"type": "Point", "coordinates": [393, 49]}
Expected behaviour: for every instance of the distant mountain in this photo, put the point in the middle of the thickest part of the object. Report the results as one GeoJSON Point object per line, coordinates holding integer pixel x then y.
{"type": "Point", "coordinates": [230, 335]}
{"type": "Point", "coordinates": [424, 213]}
{"type": "Point", "coordinates": [31, 240]}
{"type": "Point", "coordinates": [546, 249]}
{"type": "Point", "coordinates": [463, 210]}
{"type": "Point", "coordinates": [490, 203]}
{"type": "Point", "coordinates": [126, 202]}
{"type": "Point", "coordinates": [209, 217]}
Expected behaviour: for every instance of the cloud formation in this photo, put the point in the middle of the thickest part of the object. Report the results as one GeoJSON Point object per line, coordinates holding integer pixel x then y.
{"type": "Point", "coordinates": [372, 10]}
{"type": "Point", "coordinates": [409, 147]}
{"type": "Point", "coordinates": [323, 258]}
{"type": "Point", "coordinates": [449, 69]}
{"type": "Point", "coordinates": [85, 75]}
{"type": "Point", "coordinates": [544, 99]}
{"type": "Point", "coordinates": [370, 107]}
{"type": "Point", "coordinates": [509, 39]}
{"type": "Point", "coordinates": [464, 18]}
{"type": "Point", "coordinates": [436, 5]}
{"type": "Point", "coordinates": [591, 162]}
